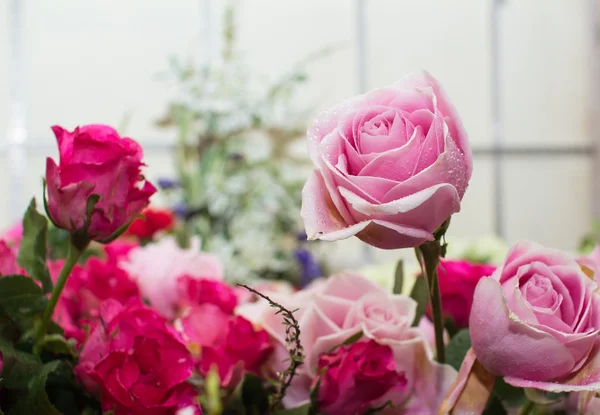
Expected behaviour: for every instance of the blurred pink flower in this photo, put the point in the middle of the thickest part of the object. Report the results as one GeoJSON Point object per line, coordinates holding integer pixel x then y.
{"type": "Point", "coordinates": [156, 268]}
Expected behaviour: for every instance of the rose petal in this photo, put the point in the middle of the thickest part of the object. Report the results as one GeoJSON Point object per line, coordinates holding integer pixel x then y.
{"type": "Point", "coordinates": [585, 379]}
{"type": "Point", "coordinates": [512, 347]}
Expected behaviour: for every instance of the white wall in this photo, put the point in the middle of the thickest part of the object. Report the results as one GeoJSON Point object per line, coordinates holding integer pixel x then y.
{"type": "Point", "coordinates": [98, 60]}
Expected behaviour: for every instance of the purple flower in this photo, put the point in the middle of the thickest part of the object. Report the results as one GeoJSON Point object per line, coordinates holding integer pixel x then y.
{"type": "Point", "coordinates": [310, 268]}
{"type": "Point", "coordinates": [168, 184]}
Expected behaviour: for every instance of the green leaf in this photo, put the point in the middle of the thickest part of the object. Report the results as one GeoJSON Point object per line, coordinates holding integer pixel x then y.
{"type": "Point", "coordinates": [512, 396]}
{"type": "Point", "coordinates": [421, 296]}
{"type": "Point", "coordinates": [38, 400]}
{"type": "Point", "coordinates": [33, 252]}
{"type": "Point", "coordinates": [17, 367]}
{"type": "Point", "coordinates": [300, 410]}
{"type": "Point", "coordinates": [457, 349]}
{"type": "Point", "coordinates": [313, 407]}
{"type": "Point", "coordinates": [20, 296]}
{"type": "Point", "coordinates": [57, 345]}
{"type": "Point", "coordinates": [399, 278]}
{"type": "Point", "coordinates": [350, 340]}
{"type": "Point", "coordinates": [254, 396]}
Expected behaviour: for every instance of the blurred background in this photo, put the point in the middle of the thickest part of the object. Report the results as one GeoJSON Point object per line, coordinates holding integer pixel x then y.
{"type": "Point", "coordinates": [187, 76]}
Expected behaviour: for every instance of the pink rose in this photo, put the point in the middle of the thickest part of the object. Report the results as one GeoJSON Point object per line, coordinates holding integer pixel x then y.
{"type": "Point", "coordinates": [139, 364]}
{"type": "Point", "coordinates": [193, 291]}
{"type": "Point", "coordinates": [88, 286]}
{"type": "Point", "coordinates": [391, 166]}
{"type": "Point", "coordinates": [337, 308]}
{"type": "Point", "coordinates": [229, 343]}
{"type": "Point", "coordinates": [536, 321]}
{"type": "Point", "coordinates": [94, 159]}
{"type": "Point", "coordinates": [8, 261]}
{"type": "Point", "coordinates": [157, 266]}
{"type": "Point", "coordinates": [119, 249]}
{"type": "Point", "coordinates": [354, 377]}
{"type": "Point", "coordinates": [458, 279]}
{"type": "Point", "coordinates": [13, 235]}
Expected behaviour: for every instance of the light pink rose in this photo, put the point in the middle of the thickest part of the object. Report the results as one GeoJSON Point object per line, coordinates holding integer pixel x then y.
{"type": "Point", "coordinates": [94, 159]}
{"type": "Point", "coordinates": [157, 266]}
{"type": "Point", "coordinates": [391, 166]}
{"type": "Point", "coordinates": [536, 321]}
{"type": "Point", "coordinates": [335, 309]}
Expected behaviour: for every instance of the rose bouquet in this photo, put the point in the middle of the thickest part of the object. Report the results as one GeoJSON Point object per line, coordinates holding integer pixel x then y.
{"type": "Point", "coordinates": [103, 311]}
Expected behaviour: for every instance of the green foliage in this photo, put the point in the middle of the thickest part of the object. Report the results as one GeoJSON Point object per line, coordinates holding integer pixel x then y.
{"type": "Point", "coordinates": [511, 396]}
{"type": "Point", "coordinates": [33, 252]}
{"type": "Point", "coordinates": [421, 296]}
{"type": "Point", "coordinates": [399, 278]}
{"type": "Point", "coordinates": [18, 367]}
{"type": "Point", "coordinates": [254, 396]}
{"type": "Point", "coordinates": [350, 340]}
{"type": "Point", "coordinates": [301, 410]}
{"type": "Point", "coordinates": [457, 348]}
{"type": "Point", "coordinates": [20, 297]}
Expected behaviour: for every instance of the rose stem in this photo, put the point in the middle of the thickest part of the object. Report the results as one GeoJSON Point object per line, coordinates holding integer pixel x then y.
{"type": "Point", "coordinates": [430, 252]}
{"type": "Point", "coordinates": [73, 255]}
{"type": "Point", "coordinates": [428, 255]}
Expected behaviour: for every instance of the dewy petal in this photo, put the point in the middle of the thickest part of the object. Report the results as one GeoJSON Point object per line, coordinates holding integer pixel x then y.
{"type": "Point", "coordinates": [387, 235]}
{"type": "Point", "coordinates": [587, 378]}
{"type": "Point", "coordinates": [448, 168]}
{"type": "Point", "coordinates": [397, 164]}
{"type": "Point", "coordinates": [426, 209]}
{"type": "Point", "coordinates": [455, 126]}
{"type": "Point", "coordinates": [319, 213]}
{"type": "Point", "coordinates": [507, 346]}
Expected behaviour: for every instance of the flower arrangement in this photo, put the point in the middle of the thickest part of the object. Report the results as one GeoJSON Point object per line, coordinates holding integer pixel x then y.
{"type": "Point", "coordinates": [238, 176]}
{"type": "Point", "coordinates": [119, 318]}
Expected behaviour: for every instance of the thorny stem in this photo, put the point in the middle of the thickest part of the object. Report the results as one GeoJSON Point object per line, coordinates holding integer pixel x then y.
{"type": "Point", "coordinates": [292, 340]}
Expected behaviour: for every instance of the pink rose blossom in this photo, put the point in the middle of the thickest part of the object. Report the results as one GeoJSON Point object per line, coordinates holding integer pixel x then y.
{"type": "Point", "coordinates": [13, 235]}
{"type": "Point", "coordinates": [333, 310]}
{"type": "Point", "coordinates": [8, 261]}
{"type": "Point", "coordinates": [157, 266]}
{"type": "Point", "coordinates": [536, 322]}
{"type": "Point", "coordinates": [458, 279]}
{"type": "Point", "coordinates": [119, 249]}
{"type": "Point", "coordinates": [354, 377]}
{"type": "Point", "coordinates": [391, 166]}
{"type": "Point", "coordinates": [139, 365]}
{"type": "Point", "coordinates": [87, 287]}
{"type": "Point", "coordinates": [193, 291]}
{"type": "Point", "coordinates": [229, 343]}
{"type": "Point", "coordinates": [94, 159]}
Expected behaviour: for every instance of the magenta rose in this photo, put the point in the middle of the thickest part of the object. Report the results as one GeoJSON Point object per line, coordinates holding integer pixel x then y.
{"type": "Point", "coordinates": [229, 343]}
{"type": "Point", "coordinates": [139, 365]}
{"type": "Point", "coordinates": [391, 166]}
{"type": "Point", "coordinates": [354, 377]}
{"type": "Point", "coordinates": [536, 321]}
{"type": "Point", "coordinates": [458, 279]}
{"type": "Point", "coordinates": [94, 159]}
{"type": "Point", "coordinates": [194, 291]}
{"type": "Point", "coordinates": [87, 288]}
